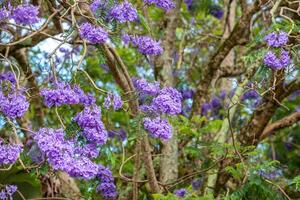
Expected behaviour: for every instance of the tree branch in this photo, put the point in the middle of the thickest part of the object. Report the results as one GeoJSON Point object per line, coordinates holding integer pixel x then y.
{"type": "Point", "coordinates": [282, 123]}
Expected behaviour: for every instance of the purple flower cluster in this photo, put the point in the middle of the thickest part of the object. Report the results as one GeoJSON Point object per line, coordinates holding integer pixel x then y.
{"type": "Point", "coordinates": [272, 61]}
{"type": "Point", "coordinates": [14, 104]}
{"type": "Point", "coordinates": [63, 154]}
{"type": "Point", "coordinates": [168, 101]}
{"type": "Point", "coordinates": [214, 106]}
{"type": "Point", "coordinates": [4, 14]}
{"type": "Point", "coordinates": [164, 4]}
{"type": "Point", "coordinates": [94, 34]}
{"type": "Point", "coordinates": [26, 14]}
{"type": "Point", "coordinates": [180, 192]}
{"type": "Point", "coordinates": [93, 128]}
{"type": "Point", "coordinates": [277, 39]}
{"type": "Point", "coordinates": [95, 5]}
{"type": "Point", "coordinates": [65, 94]}
{"type": "Point", "coordinates": [120, 134]}
{"type": "Point", "coordinates": [124, 12]}
{"type": "Point", "coordinates": [216, 11]}
{"type": "Point", "coordinates": [106, 188]}
{"type": "Point", "coordinates": [8, 192]}
{"type": "Point", "coordinates": [159, 101]}
{"type": "Point", "coordinates": [8, 76]}
{"type": "Point", "coordinates": [9, 153]}
{"type": "Point", "coordinates": [146, 88]}
{"type": "Point", "coordinates": [114, 100]}
{"type": "Point", "coordinates": [158, 128]}
{"type": "Point", "coordinates": [189, 4]}
{"type": "Point", "coordinates": [250, 94]}
{"type": "Point", "coordinates": [146, 45]}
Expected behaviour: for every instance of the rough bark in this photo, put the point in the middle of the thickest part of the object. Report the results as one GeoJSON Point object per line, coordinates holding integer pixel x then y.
{"type": "Point", "coordinates": [164, 74]}
{"type": "Point", "coordinates": [239, 35]}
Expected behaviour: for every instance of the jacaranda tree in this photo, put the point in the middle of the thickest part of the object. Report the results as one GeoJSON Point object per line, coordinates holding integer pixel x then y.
{"type": "Point", "coordinates": [149, 99]}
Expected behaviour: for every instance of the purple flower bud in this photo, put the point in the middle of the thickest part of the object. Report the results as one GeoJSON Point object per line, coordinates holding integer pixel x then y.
{"type": "Point", "coordinates": [277, 40]}
{"type": "Point", "coordinates": [180, 192]}
{"type": "Point", "coordinates": [216, 11]}
{"type": "Point", "coordinates": [26, 14]}
{"type": "Point", "coordinates": [158, 128]}
{"type": "Point", "coordinates": [124, 12]}
{"type": "Point", "coordinates": [164, 4]}
{"type": "Point", "coordinates": [275, 63]}
{"type": "Point", "coordinates": [94, 34]}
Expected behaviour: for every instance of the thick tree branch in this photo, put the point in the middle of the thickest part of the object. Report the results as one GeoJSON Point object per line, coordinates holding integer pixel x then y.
{"type": "Point", "coordinates": [282, 123]}
{"type": "Point", "coordinates": [239, 35]}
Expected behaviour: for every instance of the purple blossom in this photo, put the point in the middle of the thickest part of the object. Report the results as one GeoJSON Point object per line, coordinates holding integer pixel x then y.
{"type": "Point", "coordinates": [144, 87]}
{"type": "Point", "coordinates": [275, 63]}
{"type": "Point", "coordinates": [106, 188]}
{"type": "Point", "coordinates": [189, 4]}
{"type": "Point", "coordinates": [91, 124]}
{"type": "Point", "coordinates": [250, 94]}
{"type": "Point", "coordinates": [8, 76]}
{"type": "Point", "coordinates": [95, 5]}
{"type": "Point", "coordinates": [205, 108]}
{"type": "Point", "coordinates": [4, 14]}
{"type": "Point", "coordinates": [180, 192]}
{"type": "Point", "coordinates": [164, 4]}
{"type": "Point", "coordinates": [120, 134]}
{"type": "Point", "coordinates": [9, 153]}
{"type": "Point", "coordinates": [158, 128]}
{"type": "Point", "coordinates": [94, 34]}
{"type": "Point", "coordinates": [126, 38]}
{"type": "Point", "coordinates": [3, 195]}
{"type": "Point", "coordinates": [114, 100]}
{"type": "Point", "coordinates": [11, 189]}
{"type": "Point", "coordinates": [215, 102]}
{"type": "Point", "coordinates": [187, 94]}
{"type": "Point", "coordinates": [124, 12]}
{"type": "Point", "coordinates": [277, 39]}
{"type": "Point", "coordinates": [168, 101]}
{"type": "Point", "coordinates": [196, 184]}
{"type": "Point", "coordinates": [13, 105]}
{"type": "Point", "coordinates": [62, 94]}
{"type": "Point", "coordinates": [147, 45]}
{"type": "Point", "coordinates": [62, 155]}
{"type": "Point", "coordinates": [216, 11]}
{"type": "Point", "coordinates": [26, 14]}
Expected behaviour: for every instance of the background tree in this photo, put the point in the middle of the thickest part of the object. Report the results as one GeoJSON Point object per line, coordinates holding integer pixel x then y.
{"type": "Point", "coordinates": [149, 99]}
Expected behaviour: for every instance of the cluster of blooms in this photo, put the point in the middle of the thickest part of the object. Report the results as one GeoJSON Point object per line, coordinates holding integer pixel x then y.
{"type": "Point", "coordinates": [214, 105]}
{"type": "Point", "coordinates": [95, 5]}
{"type": "Point", "coordinates": [114, 100]}
{"type": "Point", "coordinates": [196, 184]}
{"type": "Point", "coordinates": [94, 34]}
{"type": "Point", "coordinates": [124, 12]}
{"type": "Point", "coordinates": [106, 188]}
{"type": "Point", "coordinates": [250, 93]}
{"type": "Point", "coordinates": [181, 193]}
{"type": "Point", "coordinates": [216, 11]}
{"type": "Point", "coordinates": [146, 45]}
{"type": "Point", "coordinates": [25, 14]}
{"type": "Point", "coordinates": [14, 104]}
{"type": "Point", "coordinates": [8, 192]}
{"type": "Point", "coordinates": [9, 153]}
{"type": "Point", "coordinates": [65, 94]}
{"type": "Point", "coordinates": [159, 128]}
{"type": "Point", "coordinates": [120, 134]}
{"type": "Point", "coordinates": [162, 101]}
{"type": "Point", "coordinates": [277, 40]}
{"type": "Point", "coordinates": [90, 121]}
{"type": "Point", "coordinates": [64, 154]}
{"type": "Point", "coordinates": [164, 4]}
{"type": "Point", "coordinates": [8, 76]}
{"type": "Point", "coordinates": [189, 4]}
